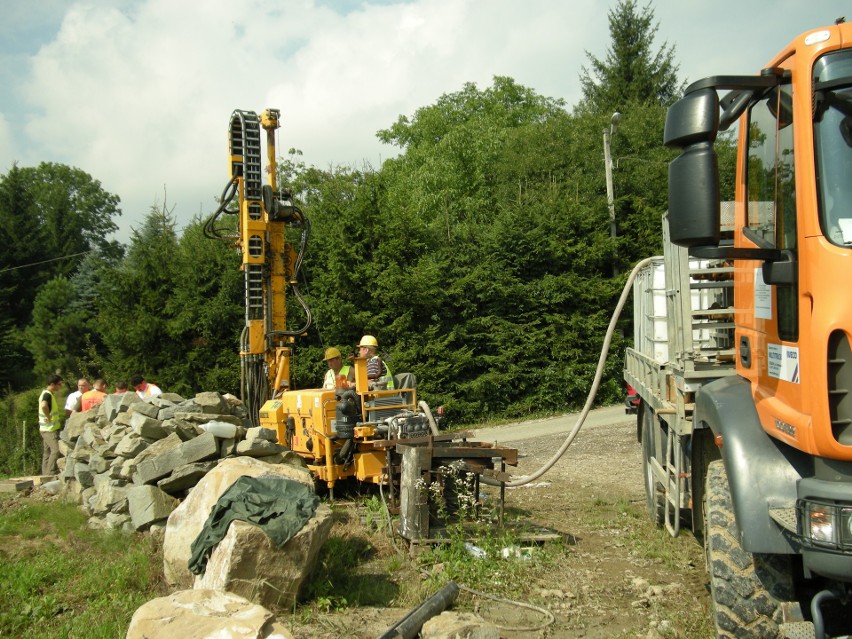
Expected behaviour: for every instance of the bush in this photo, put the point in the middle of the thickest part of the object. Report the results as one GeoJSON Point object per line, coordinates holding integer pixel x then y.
{"type": "Point", "coordinates": [20, 442]}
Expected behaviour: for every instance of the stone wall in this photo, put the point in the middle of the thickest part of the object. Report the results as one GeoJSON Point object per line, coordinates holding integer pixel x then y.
{"type": "Point", "coordinates": [129, 462]}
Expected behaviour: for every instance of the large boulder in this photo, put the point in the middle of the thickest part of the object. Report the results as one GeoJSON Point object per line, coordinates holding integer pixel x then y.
{"type": "Point", "coordinates": [187, 520]}
{"type": "Point", "coordinates": [248, 563]}
{"type": "Point", "coordinates": [451, 624]}
{"type": "Point", "coordinates": [204, 613]}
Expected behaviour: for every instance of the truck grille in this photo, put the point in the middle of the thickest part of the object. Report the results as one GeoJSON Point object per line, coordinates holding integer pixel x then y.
{"type": "Point", "coordinates": [839, 386]}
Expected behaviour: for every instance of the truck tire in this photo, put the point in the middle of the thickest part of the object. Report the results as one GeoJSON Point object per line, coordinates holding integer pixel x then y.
{"type": "Point", "coordinates": [746, 589]}
{"type": "Point", "coordinates": [655, 502]}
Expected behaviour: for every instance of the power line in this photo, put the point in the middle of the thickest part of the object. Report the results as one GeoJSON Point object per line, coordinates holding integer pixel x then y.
{"type": "Point", "coordinates": [55, 259]}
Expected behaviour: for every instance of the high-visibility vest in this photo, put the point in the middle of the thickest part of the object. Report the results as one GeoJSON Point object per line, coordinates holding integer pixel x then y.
{"type": "Point", "coordinates": [90, 399]}
{"type": "Point", "coordinates": [388, 376]}
{"type": "Point", "coordinates": [54, 422]}
{"type": "Point", "coordinates": [330, 382]}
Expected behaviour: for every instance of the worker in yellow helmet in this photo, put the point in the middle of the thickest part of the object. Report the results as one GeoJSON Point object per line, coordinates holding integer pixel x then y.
{"type": "Point", "coordinates": [336, 369]}
{"type": "Point", "coordinates": [378, 372]}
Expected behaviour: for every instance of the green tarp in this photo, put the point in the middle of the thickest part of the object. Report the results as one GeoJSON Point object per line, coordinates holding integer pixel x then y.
{"type": "Point", "coordinates": [279, 505]}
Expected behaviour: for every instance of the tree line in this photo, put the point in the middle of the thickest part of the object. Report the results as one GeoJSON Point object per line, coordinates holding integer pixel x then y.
{"type": "Point", "coordinates": [480, 256]}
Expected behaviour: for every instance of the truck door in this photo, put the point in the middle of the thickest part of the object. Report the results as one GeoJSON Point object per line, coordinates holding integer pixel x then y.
{"type": "Point", "coordinates": [768, 311]}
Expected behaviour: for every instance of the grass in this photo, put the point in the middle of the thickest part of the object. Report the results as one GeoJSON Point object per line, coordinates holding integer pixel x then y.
{"type": "Point", "coordinates": [60, 579]}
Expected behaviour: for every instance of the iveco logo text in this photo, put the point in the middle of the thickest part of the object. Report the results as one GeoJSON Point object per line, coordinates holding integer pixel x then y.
{"type": "Point", "coordinates": [786, 428]}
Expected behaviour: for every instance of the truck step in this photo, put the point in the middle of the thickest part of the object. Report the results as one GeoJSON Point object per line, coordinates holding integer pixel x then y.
{"type": "Point", "coordinates": [796, 630]}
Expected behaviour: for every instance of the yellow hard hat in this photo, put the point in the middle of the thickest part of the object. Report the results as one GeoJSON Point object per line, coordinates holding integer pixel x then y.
{"type": "Point", "coordinates": [369, 340]}
{"type": "Point", "coordinates": [331, 353]}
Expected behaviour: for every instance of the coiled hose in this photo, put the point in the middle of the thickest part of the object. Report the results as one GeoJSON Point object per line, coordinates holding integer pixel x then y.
{"type": "Point", "coordinates": [593, 391]}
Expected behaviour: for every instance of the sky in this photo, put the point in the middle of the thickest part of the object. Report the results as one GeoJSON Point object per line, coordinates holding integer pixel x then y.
{"type": "Point", "coordinates": [139, 93]}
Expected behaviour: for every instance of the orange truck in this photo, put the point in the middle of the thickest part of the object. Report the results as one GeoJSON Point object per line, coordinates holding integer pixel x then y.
{"type": "Point", "coordinates": [743, 347]}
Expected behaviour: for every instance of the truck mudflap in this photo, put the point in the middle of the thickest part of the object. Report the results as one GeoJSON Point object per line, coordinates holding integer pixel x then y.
{"type": "Point", "coordinates": [762, 472]}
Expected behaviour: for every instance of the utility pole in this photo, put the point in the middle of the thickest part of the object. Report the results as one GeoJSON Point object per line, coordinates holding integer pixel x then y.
{"type": "Point", "coordinates": [610, 195]}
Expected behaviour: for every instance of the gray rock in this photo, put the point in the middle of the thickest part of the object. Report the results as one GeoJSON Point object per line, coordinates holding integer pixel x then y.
{"type": "Point", "coordinates": [212, 403]}
{"type": "Point", "coordinates": [147, 427]}
{"type": "Point", "coordinates": [182, 429]}
{"type": "Point", "coordinates": [123, 419]}
{"type": "Point", "coordinates": [204, 613]}
{"type": "Point", "coordinates": [75, 424]}
{"type": "Point", "coordinates": [162, 402]}
{"type": "Point", "coordinates": [130, 446]}
{"type": "Point", "coordinates": [185, 477]}
{"type": "Point", "coordinates": [98, 464]}
{"type": "Point", "coordinates": [112, 407]}
{"type": "Point", "coordinates": [127, 470]}
{"type": "Point", "coordinates": [128, 399]}
{"type": "Point", "coordinates": [259, 448]}
{"type": "Point", "coordinates": [119, 521]}
{"type": "Point", "coordinates": [111, 498]}
{"type": "Point", "coordinates": [227, 447]}
{"type": "Point", "coordinates": [246, 562]}
{"type": "Point", "coordinates": [450, 624]}
{"type": "Point", "coordinates": [261, 433]}
{"type": "Point", "coordinates": [148, 504]}
{"type": "Point", "coordinates": [83, 475]}
{"type": "Point", "coordinates": [65, 448]}
{"type": "Point", "coordinates": [201, 448]}
{"type": "Point", "coordinates": [149, 410]}
{"type": "Point", "coordinates": [158, 448]}
{"type": "Point", "coordinates": [203, 418]}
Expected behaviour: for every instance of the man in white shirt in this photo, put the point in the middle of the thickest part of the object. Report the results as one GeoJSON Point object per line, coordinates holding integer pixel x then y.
{"type": "Point", "coordinates": [72, 402]}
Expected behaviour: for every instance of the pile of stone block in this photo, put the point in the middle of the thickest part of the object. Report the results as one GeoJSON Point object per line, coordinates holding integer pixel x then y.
{"type": "Point", "coordinates": [129, 462]}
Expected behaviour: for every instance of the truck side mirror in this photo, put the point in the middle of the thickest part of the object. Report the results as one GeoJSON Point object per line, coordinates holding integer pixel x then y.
{"type": "Point", "coordinates": [692, 124]}
{"type": "Point", "coordinates": [694, 201]}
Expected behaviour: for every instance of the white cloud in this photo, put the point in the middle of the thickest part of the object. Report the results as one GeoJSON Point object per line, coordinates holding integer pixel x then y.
{"type": "Point", "coordinates": [139, 92]}
{"type": "Point", "coordinates": [6, 157]}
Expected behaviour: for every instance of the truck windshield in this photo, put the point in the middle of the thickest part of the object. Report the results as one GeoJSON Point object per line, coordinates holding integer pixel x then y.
{"type": "Point", "coordinates": [833, 144]}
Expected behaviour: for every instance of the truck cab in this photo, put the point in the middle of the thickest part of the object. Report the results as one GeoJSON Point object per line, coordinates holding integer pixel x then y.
{"type": "Point", "coordinates": [765, 452]}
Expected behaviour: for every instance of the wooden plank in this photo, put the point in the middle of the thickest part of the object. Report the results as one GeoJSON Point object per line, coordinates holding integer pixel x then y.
{"type": "Point", "coordinates": [499, 475]}
{"type": "Point", "coordinates": [481, 453]}
{"type": "Point", "coordinates": [421, 441]}
{"type": "Point", "coordinates": [15, 485]}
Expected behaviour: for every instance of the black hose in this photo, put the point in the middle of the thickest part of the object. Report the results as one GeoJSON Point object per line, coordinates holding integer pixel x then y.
{"type": "Point", "coordinates": [210, 230]}
{"type": "Point", "coordinates": [303, 243]}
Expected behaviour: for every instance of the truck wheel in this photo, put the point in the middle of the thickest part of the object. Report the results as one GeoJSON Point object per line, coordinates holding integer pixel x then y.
{"type": "Point", "coordinates": [746, 589]}
{"type": "Point", "coordinates": [654, 498]}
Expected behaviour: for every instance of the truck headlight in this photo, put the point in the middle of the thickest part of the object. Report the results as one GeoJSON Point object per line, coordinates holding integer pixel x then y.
{"type": "Point", "coordinates": [821, 524]}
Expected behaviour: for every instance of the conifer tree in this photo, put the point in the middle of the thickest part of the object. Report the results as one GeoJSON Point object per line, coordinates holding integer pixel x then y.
{"type": "Point", "coordinates": [632, 70]}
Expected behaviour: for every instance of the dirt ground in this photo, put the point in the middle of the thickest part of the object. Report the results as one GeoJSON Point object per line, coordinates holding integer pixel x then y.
{"type": "Point", "coordinates": [619, 577]}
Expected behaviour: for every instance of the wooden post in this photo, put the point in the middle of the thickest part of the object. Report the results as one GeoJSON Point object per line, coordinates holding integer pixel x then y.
{"type": "Point", "coordinates": [413, 495]}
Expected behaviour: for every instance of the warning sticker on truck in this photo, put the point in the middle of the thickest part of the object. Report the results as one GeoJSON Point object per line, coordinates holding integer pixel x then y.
{"type": "Point", "coordinates": [784, 362]}
{"type": "Point", "coordinates": [762, 296]}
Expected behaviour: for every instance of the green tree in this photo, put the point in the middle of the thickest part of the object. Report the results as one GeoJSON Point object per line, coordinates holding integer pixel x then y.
{"type": "Point", "coordinates": [134, 309]}
{"type": "Point", "coordinates": [57, 335]}
{"type": "Point", "coordinates": [205, 308]}
{"type": "Point", "coordinates": [632, 71]}
{"type": "Point", "coordinates": [51, 216]}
